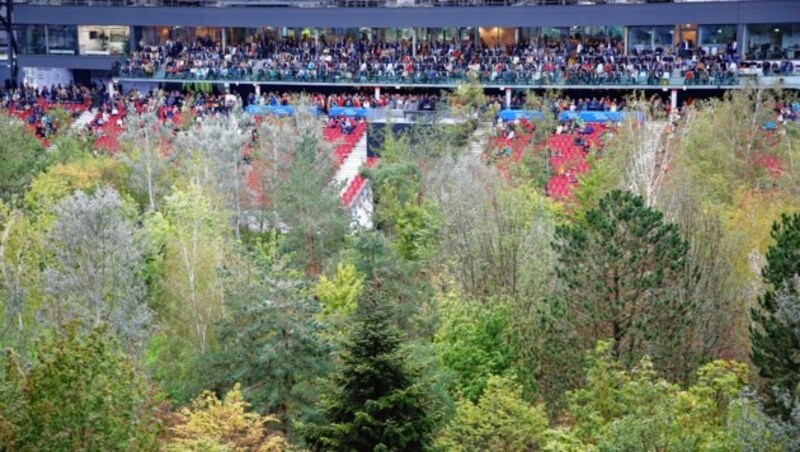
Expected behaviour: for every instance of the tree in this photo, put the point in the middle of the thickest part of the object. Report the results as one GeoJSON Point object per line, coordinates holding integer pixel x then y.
{"type": "Point", "coordinates": [94, 275]}
{"type": "Point", "coordinates": [272, 343]}
{"type": "Point", "coordinates": [374, 402]}
{"type": "Point", "coordinates": [776, 347]}
{"type": "Point", "coordinates": [148, 147]}
{"type": "Point", "coordinates": [223, 425]}
{"type": "Point", "coordinates": [190, 286]}
{"type": "Point", "coordinates": [787, 314]}
{"type": "Point", "coordinates": [495, 239]}
{"type": "Point", "coordinates": [620, 272]}
{"type": "Point", "coordinates": [621, 410]}
{"type": "Point", "coordinates": [310, 208]}
{"type": "Point", "coordinates": [62, 180]}
{"type": "Point", "coordinates": [21, 244]}
{"type": "Point", "coordinates": [213, 154]}
{"type": "Point", "coordinates": [500, 420]}
{"type": "Point", "coordinates": [21, 158]}
{"type": "Point", "coordinates": [340, 294]}
{"type": "Point", "coordinates": [194, 253]}
{"type": "Point", "coordinates": [81, 393]}
{"type": "Point", "coordinates": [473, 344]}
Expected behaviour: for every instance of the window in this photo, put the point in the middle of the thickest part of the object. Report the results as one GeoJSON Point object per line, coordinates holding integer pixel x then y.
{"type": "Point", "coordinates": [103, 40]}
{"type": "Point", "coordinates": [717, 34]}
{"type": "Point", "coordinates": [62, 39]}
{"type": "Point", "coordinates": [32, 39]}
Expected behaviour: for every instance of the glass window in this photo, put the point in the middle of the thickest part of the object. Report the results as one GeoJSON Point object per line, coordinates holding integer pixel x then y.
{"type": "Point", "coordinates": [103, 40]}
{"type": "Point", "coordinates": [3, 44]}
{"type": "Point", "coordinates": [717, 34]}
{"type": "Point", "coordinates": [62, 39]}
{"type": "Point", "coordinates": [773, 41]}
{"type": "Point", "coordinates": [663, 36]}
{"type": "Point", "coordinates": [32, 39]}
{"type": "Point", "coordinates": [640, 38]}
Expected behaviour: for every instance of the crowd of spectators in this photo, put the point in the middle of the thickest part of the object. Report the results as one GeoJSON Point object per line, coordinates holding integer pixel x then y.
{"type": "Point", "coordinates": [35, 106]}
{"type": "Point", "coordinates": [568, 62]}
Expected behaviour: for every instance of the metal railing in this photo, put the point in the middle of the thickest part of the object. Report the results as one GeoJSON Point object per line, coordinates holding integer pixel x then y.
{"type": "Point", "coordinates": [350, 3]}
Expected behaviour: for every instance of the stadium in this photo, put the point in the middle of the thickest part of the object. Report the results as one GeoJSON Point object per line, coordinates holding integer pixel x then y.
{"type": "Point", "coordinates": [400, 225]}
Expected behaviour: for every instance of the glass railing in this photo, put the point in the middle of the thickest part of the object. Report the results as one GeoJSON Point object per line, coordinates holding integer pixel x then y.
{"type": "Point", "coordinates": [431, 78]}
{"type": "Point", "coordinates": [354, 3]}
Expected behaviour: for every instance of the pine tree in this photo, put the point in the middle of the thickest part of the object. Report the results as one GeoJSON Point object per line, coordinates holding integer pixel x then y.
{"type": "Point", "coordinates": [775, 347]}
{"type": "Point", "coordinates": [375, 401]}
{"type": "Point", "coordinates": [621, 270]}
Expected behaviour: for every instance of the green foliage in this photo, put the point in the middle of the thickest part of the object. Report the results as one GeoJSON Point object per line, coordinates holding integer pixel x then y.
{"type": "Point", "coordinates": [375, 401]}
{"type": "Point", "coordinates": [62, 180]}
{"type": "Point", "coordinates": [399, 282]}
{"type": "Point", "coordinates": [272, 343]}
{"type": "Point", "coordinates": [21, 158]}
{"type": "Point", "coordinates": [80, 394]}
{"type": "Point", "coordinates": [500, 420]}
{"type": "Point", "coordinates": [70, 148]}
{"type": "Point", "coordinates": [620, 272]}
{"type": "Point", "coordinates": [339, 294]}
{"type": "Point", "coordinates": [637, 410]}
{"type": "Point", "coordinates": [595, 184]}
{"type": "Point", "coordinates": [310, 207]}
{"type": "Point", "coordinates": [776, 347]}
{"type": "Point", "coordinates": [473, 344]}
{"type": "Point", "coordinates": [415, 231]}
{"type": "Point", "coordinates": [395, 186]}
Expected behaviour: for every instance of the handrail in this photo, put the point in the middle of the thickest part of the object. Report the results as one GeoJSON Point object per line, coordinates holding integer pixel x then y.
{"type": "Point", "coordinates": [354, 3]}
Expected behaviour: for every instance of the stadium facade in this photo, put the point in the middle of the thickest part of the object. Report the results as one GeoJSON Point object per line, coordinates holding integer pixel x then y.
{"type": "Point", "coordinates": [61, 40]}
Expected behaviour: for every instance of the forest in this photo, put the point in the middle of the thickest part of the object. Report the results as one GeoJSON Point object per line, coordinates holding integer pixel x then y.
{"type": "Point", "coordinates": [202, 289]}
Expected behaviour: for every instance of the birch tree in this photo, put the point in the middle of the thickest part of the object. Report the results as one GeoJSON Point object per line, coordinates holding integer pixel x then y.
{"type": "Point", "coordinates": [194, 242]}
{"type": "Point", "coordinates": [213, 156]}
{"type": "Point", "coordinates": [147, 154]}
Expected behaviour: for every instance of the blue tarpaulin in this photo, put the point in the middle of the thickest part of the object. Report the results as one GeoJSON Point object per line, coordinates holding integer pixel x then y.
{"type": "Point", "coordinates": [347, 111]}
{"type": "Point", "coordinates": [513, 115]}
{"type": "Point", "coordinates": [275, 110]}
{"type": "Point", "coordinates": [598, 116]}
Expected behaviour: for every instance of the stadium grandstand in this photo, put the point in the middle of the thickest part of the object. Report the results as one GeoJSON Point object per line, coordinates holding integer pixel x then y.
{"type": "Point", "coordinates": [372, 61]}
{"type": "Point", "coordinates": [435, 43]}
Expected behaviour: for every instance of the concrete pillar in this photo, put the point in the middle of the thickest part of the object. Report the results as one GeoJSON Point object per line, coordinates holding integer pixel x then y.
{"type": "Point", "coordinates": [316, 38]}
{"type": "Point", "coordinates": [673, 101]}
{"type": "Point", "coordinates": [625, 33]}
{"type": "Point", "coordinates": [508, 97]}
{"type": "Point", "coordinates": [741, 39]}
{"type": "Point", "coordinates": [258, 90]}
{"type": "Point", "coordinates": [224, 39]}
{"type": "Point", "coordinates": [377, 92]}
{"type": "Point", "coordinates": [111, 88]}
{"type": "Point", "coordinates": [414, 42]}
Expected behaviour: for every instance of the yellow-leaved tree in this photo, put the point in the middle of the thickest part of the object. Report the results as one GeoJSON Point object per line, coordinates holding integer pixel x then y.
{"type": "Point", "coordinates": [340, 293]}
{"type": "Point", "coordinates": [214, 425]}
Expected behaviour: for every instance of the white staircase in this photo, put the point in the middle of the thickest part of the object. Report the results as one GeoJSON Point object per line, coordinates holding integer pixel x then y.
{"type": "Point", "coordinates": [360, 210]}
{"type": "Point", "coordinates": [351, 165]}
{"type": "Point", "coordinates": [84, 119]}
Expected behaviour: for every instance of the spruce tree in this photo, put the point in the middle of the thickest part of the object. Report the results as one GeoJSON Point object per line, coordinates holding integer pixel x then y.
{"type": "Point", "coordinates": [375, 401]}
{"type": "Point", "coordinates": [776, 350]}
